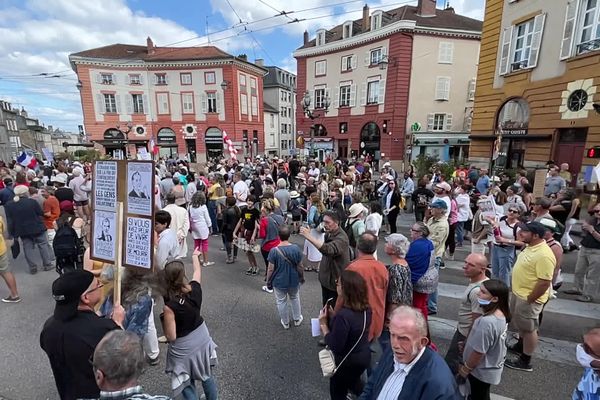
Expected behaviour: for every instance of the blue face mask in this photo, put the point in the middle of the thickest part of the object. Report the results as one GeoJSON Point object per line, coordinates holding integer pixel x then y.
{"type": "Point", "coordinates": [483, 302]}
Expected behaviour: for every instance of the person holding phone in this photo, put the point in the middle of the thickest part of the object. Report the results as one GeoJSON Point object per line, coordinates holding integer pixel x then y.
{"type": "Point", "coordinates": [347, 333]}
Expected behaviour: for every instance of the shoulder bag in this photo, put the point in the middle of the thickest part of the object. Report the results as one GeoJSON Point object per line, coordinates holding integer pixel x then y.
{"type": "Point", "coordinates": [429, 281]}
{"type": "Point", "coordinates": [327, 359]}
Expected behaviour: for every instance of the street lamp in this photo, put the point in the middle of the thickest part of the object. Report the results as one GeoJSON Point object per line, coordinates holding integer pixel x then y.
{"type": "Point", "coordinates": [126, 133]}
{"type": "Point", "coordinates": [306, 100]}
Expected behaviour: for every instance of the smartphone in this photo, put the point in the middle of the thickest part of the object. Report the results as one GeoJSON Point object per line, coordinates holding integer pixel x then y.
{"type": "Point", "coordinates": [327, 303]}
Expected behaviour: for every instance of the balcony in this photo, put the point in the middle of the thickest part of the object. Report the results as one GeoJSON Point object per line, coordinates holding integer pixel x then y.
{"type": "Point", "coordinates": [588, 46]}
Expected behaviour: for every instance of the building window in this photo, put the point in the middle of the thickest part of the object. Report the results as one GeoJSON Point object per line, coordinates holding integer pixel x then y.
{"type": "Point", "coordinates": [343, 127]}
{"type": "Point", "coordinates": [320, 40]}
{"type": "Point", "coordinates": [376, 20]}
{"type": "Point", "coordinates": [521, 45]}
{"type": "Point", "coordinates": [272, 121]}
{"type": "Point", "coordinates": [209, 78]}
{"type": "Point", "coordinates": [283, 112]}
{"type": "Point", "coordinates": [320, 96]}
{"type": "Point", "coordinates": [376, 56]}
{"type": "Point", "coordinates": [243, 80]}
{"type": "Point", "coordinates": [254, 105]}
{"type": "Point", "coordinates": [135, 79]}
{"type": "Point", "coordinates": [446, 53]}
{"type": "Point", "coordinates": [442, 88]}
{"type": "Point", "coordinates": [471, 90]}
{"type": "Point", "coordinates": [160, 79]}
{"type": "Point", "coordinates": [110, 103]}
{"type": "Point", "coordinates": [438, 122]}
{"type": "Point", "coordinates": [138, 103]}
{"type": "Point", "coordinates": [284, 144]}
{"type": "Point", "coordinates": [320, 68]}
{"type": "Point", "coordinates": [373, 92]}
{"type": "Point", "coordinates": [252, 87]}
{"type": "Point", "coordinates": [211, 102]}
{"type": "Point", "coordinates": [345, 95]}
{"type": "Point", "coordinates": [186, 78]}
{"type": "Point", "coordinates": [107, 79]}
{"type": "Point", "coordinates": [244, 104]}
{"type": "Point", "coordinates": [187, 101]}
{"type": "Point", "coordinates": [348, 63]}
{"type": "Point", "coordinates": [347, 30]}
{"type": "Point", "coordinates": [590, 26]}
{"type": "Point", "coordinates": [162, 99]}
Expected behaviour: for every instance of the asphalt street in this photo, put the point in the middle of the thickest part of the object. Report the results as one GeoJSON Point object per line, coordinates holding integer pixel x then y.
{"type": "Point", "coordinates": [258, 359]}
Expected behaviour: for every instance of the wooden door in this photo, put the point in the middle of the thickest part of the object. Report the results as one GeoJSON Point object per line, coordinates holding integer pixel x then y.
{"type": "Point", "coordinates": [572, 154]}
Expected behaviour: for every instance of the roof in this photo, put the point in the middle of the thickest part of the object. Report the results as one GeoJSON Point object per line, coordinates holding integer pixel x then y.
{"type": "Point", "coordinates": [443, 19]}
{"type": "Point", "coordinates": [128, 51]}
{"type": "Point", "coordinates": [269, 108]}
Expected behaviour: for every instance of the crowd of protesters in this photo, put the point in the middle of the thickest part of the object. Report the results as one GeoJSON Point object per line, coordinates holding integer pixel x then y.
{"type": "Point", "coordinates": [374, 317]}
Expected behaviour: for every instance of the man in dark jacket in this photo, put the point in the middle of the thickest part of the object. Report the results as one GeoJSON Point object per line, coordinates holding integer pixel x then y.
{"type": "Point", "coordinates": [26, 221]}
{"type": "Point", "coordinates": [336, 256]}
{"type": "Point", "coordinates": [410, 370]}
{"type": "Point", "coordinates": [7, 193]}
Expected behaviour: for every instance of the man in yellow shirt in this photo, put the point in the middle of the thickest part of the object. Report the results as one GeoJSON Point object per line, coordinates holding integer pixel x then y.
{"type": "Point", "coordinates": [438, 228]}
{"type": "Point", "coordinates": [531, 282]}
{"type": "Point", "coordinates": [5, 271]}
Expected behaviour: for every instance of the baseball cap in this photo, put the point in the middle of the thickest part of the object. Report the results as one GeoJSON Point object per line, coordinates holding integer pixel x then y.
{"type": "Point", "coordinates": [534, 227]}
{"type": "Point", "coordinates": [66, 291]}
{"type": "Point", "coordinates": [439, 204]}
{"type": "Point", "coordinates": [444, 186]}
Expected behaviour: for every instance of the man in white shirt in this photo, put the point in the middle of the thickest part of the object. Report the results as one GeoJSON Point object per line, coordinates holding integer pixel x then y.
{"type": "Point", "coordinates": [314, 171]}
{"type": "Point", "coordinates": [180, 224]}
{"type": "Point", "coordinates": [410, 369]}
{"type": "Point", "coordinates": [81, 187]}
{"type": "Point", "coordinates": [167, 245]}
{"type": "Point", "coordinates": [240, 190]}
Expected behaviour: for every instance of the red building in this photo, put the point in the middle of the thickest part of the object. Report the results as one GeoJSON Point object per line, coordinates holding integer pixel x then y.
{"type": "Point", "coordinates": [182, 98]}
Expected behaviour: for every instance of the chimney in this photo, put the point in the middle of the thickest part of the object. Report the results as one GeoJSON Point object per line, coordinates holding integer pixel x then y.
{"type": "Point", "coordinates": [260, 62]}
{"type": "Point", "coordinates": [426, 8]}
{"type": "Point", "coordinates": [366, 20]}
{"type": "Point", "coordinates": [305, 37]}
{"type": "Point", "coordinates": [23, 112]}
{"type": "Point", "coordinates": [150, 45]}
{"type": "Point", "coordinates": [243, 57]}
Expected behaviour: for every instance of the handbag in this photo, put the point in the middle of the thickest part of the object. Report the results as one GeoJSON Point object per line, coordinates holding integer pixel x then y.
{"type": "Point", "coordinates": [327, 359]}
{"type": "Point", "coordinates": [15, 248]}
{"type": "Point", "coordinates": [429, 281]}
{"type": "Point", "coordinates": [299, 267]}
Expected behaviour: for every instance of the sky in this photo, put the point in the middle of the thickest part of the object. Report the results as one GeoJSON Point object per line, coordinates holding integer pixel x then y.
{"type": "Point", "coordinates": [37, 36]}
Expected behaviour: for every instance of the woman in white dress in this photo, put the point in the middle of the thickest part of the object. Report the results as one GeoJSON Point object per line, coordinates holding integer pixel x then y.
{"type": "Point", "coordinates": [200, 225]}
{"type": "Point", "coordinates": [315, 216]}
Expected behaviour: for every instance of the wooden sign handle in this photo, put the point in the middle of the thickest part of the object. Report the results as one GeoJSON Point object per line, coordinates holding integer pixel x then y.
{"type": "Point", "coordinates": [118, 260]}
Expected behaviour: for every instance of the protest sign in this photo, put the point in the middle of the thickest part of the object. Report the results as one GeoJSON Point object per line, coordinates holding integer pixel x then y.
{"type": "Point", "coordinates": [539, 182]}
{"type": "Point", "coordinates": [105, 185]}
{"type": "Point", "coordinates": [104, 235]}
{"type": "Point", "coordinates": [138, 242]}
{"type": "Point", "coordinates": [140, 187]}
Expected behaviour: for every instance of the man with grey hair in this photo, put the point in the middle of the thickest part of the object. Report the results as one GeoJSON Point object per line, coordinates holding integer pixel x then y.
{"type": "Point", "coordinates": [409, 369]}
{"type": "Point", "coordinates": [118, 363]}
{"type": "Point", "coordinates": [283, 196]}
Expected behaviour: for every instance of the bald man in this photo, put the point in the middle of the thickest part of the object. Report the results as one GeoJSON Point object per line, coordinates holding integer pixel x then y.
{"type": "Point", "coordinates": [588, 355]}
{"type": "Point", "coordinates": [475, 267]}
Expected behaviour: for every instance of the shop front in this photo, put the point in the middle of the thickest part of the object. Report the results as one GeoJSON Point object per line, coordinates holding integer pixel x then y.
{"type": "Point", "coordinates": [167, 143]}
{"type": "Point", "coordinates": [451, 147]}
{"type": "Point", "coordinates": [213, 139]}
{"type": "Point", "coordinates": [370, 141]}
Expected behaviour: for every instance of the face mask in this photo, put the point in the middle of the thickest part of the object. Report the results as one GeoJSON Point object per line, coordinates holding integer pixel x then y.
{"type": "Point", "coordinates": [584, 358]}
{"type": "Point", "coordinates": [484, 302]}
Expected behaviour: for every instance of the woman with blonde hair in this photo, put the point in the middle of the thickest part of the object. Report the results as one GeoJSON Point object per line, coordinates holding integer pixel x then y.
{"type": "Point", "coordinates": [314, 219]}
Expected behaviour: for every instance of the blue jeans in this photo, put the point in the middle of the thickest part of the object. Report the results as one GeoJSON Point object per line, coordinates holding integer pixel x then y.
{"type": "Point", "coordinates": [212, 212]}
{"type": "Point", "coordinates": [503, 259]}
{"type": "Point", "coordinates": [460, 233]}
{"type": "Point", "coordinates": [432, 301]}
{"type": "Point", "coordinates": [209, 387]}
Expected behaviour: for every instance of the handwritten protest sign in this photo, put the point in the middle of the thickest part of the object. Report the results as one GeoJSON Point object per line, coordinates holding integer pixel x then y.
{"type": "Point", "coordinates": [105, 185]}
{"type": "Point", "coordinates": [138, 242]}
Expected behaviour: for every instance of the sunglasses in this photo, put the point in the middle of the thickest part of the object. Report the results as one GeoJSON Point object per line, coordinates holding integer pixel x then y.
{"type": "Point", "coordinates": [595, 211]}
{"type": "Point", "coordinates": [513, 211]}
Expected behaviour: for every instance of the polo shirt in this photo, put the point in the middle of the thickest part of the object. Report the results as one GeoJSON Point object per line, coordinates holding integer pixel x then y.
{"type": "Point", "coordinates": [533, 263]}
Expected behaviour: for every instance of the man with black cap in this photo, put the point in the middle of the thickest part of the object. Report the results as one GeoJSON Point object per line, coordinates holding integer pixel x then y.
{"type": "Point", "coordinates": [70, 336]}
{"type": "Point", "coordinates": [531, 281]}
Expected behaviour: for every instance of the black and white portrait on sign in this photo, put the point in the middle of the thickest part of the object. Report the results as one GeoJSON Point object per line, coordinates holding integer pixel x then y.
{"type": "Point", "coordinates": [104, 235]}
{"type": "Point", "coordinates": [139, 188]}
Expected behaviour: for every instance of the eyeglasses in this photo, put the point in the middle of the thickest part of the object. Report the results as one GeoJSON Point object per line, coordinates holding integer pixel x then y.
{"type": "Point", "coordinates": [513, 211]}
{"type": "Point", "coordinates": [415, 230]}
{"type": "Point", "coordinates": [99, 286]}
{"type": "Point", "coordinates": [595, 211]}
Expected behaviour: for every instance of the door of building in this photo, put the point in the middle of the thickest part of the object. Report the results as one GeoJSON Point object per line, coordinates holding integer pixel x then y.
{"type": "Point", "coordinates": [570, 149]}
{"type": "Point", "coordinates": [190, 145]}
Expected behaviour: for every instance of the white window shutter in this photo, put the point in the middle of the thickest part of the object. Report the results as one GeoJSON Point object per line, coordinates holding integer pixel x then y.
{"type": "Point", "coordinates": [114, 79]}
{"type": "Point", "coordinates": [118, 103]}
{"type": "Point", "coordinates": [327, 95]}
{"type": "Point", "coordinates": [536, 40]}
{"type": "Point", "coordinates": [130, 104]}
{"type": "Point", "coordinates": [368, 58]}
{"type": "Point", "coordinates": [381, 94]}
{"type": "Point", "coordinates": [204, 101]}
{"type": "Point", "coordinates": [353, 62]}
{"type": "Point", "coordinates": [100, 105]}
{"type": "Point", "coordinates": [155, 79]}
{"type": "Point", "coordinates": [146, 104]}
{"type": "Point", "coordinates": [471, 90]}
{"type": "Point", "coordinates": [442, 88]}
{"type": "Point", "coordinates": [430, 118]}
{"type": "Point", "coordinates": [383, 52]}
{"type": "Point", "coordinates": [98, 77]}
{"type": "Point", "coordinates": [566, 48]}
{"type": "Point", "coordinates": [167, 79]}
{"type": "Point", "coordinates": [141, 79]}
{"type": "Point", "coordinates": [363, 94]}
{"type": "Point", "coordinates": [219, 105]}
{"type": "Point", "coordinates": [505, 52]}
{"type": "Point", "coordinates": [448, 122]}
{"type": "Point", "coordinates": [336, 97]}
{"type": "Point", "coordinates": [353, 95]}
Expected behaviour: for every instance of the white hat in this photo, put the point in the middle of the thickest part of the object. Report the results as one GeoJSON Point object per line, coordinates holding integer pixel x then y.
{"type": "Point", "coordinates": [294, 194]}
{"type": "Point", "coordinates": [355, 210]}
{"type": "Point", "coordinates": [60, 178]}
{"type": "Point", "coordinates": [386, 164]}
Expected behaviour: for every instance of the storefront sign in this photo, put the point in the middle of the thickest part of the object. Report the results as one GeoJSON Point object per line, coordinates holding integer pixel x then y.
{"type": "Point", "coordinates": [513, 132]}
{"type": "Point", "coordinates": [513, 117]}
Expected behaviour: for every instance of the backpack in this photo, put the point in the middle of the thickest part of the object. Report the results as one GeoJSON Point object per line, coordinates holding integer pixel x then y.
{"type": "Point", "coordinates": [295, 208]}
{"type": "Point", "coordinates": [422, 201]}
{"type": "Point", "coordinates": [350, 232]}
{"type": "Point", "coordinates": [200, 186]}
{"type": "Point", "coordinates": [68, 248]}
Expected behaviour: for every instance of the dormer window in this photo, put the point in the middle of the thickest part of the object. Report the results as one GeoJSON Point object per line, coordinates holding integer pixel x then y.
{"type": "Point", "coordinates": [320, 37]}
{"type": "Point", "coordinates": [347, 30]}
{"type": "Point", "coordinates": [376, 20]}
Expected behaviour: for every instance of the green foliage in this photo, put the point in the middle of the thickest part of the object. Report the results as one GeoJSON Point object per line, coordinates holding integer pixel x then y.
{"type": "Point", "coordinates": [88, 155]}
{"type": "Point", "coordinates": [427, 164]}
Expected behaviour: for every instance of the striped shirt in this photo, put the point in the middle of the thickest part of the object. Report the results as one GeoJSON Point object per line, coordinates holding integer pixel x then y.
{"type": "Point", "coordinates": [394, 383]}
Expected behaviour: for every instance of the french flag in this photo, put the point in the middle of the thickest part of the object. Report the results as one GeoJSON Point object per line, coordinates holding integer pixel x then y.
{"type": "Point", "coordinates": [25, 159]}
{"type": "Point", "coordinates": [153, 149]}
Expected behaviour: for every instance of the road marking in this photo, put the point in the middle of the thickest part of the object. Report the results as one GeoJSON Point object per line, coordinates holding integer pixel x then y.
{"type": "Point", "coordinates": [554, 350]}
{"type": "Point", "coordinates": [458, 265]}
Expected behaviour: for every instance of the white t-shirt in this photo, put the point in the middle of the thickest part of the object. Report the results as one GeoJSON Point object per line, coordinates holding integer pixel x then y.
{"type": "Point", "coordinates": [240, 192]}
{"type": "Point", "coordinates": [463, 202]}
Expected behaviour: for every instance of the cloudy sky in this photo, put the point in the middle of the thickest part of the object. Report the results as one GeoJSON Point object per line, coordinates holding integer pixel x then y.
{"type": "Point", "coordinates": [37, 36]}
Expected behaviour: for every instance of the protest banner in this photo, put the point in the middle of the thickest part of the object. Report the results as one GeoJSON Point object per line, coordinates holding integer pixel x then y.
{"type": "Point", "coordinates": [140, 187]}
{"type": "Point", "coordinates": [105, 185]}
{"type": "Point", "coordinates": [138, 242]}
{"type": "Point", "coordinates": [539, 182]}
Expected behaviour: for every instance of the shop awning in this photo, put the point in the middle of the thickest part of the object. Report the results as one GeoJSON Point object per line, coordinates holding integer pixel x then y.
{"type": "Point", "coordinates": [119, 142]}
{"type": "Point", "coordinates": [521, 137]}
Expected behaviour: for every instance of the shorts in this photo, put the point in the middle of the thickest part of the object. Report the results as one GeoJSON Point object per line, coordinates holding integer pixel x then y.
{"type": "Point", "coordinates": [201, 244]}
{"type": "Point", "coordinates": [81, 203]}
{"type": "Point", "coordinates": [4, 264]}
{"type": "Point", "coordinates": [297, 218]}
{"type": "Point", "coordinates": [525, 316]}
{"type": "Point", "coordinates": [248, 235]}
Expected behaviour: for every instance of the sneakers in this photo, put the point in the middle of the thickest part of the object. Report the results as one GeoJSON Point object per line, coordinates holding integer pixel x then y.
{"type": "Point", "coordinates": [585, 298]}
{"type": "Point", "coordinates": [573, 291]}
{"type": "Point", "coordinates": [11, 299]}
{"type": "Point", "coordinates": [153, 361]}
{"type": "Point", "coordinates": [516, 348]}
{"type": "Point", "coordinates": [249, 271]}
{"type": "Point", "coordinates": [162, 339]}
{"type": "Point", "coordinates": [519, 365]}
{"type": "Point", "coordinates": [285, 326]}
{"type": "Point", "coordinates": [266, 289]}
{"type": "Point", "coordinates": [298, 321]}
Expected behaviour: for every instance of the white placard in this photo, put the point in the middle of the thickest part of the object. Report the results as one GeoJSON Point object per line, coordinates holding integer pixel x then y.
{"type": "Point", "coordinates": [105, 234]}
{"type": "Point", "coordinates": [138, 242]}
{"type": "Point", "coordinates": [105, 185]}
{"type": "Point", "coordinates": [139, 188]}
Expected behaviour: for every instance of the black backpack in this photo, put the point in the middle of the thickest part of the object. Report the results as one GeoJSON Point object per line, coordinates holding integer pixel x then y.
{"type": "Point", "coordinates": [68, 248]}
{"type": "Point", "coordinates": [351, 239]}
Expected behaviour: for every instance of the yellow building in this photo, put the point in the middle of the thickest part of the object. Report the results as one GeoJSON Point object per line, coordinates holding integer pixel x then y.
{"type": "Point", "coordinates": [538, 84]}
